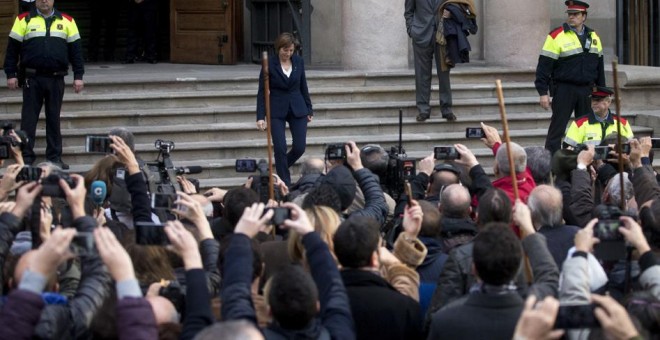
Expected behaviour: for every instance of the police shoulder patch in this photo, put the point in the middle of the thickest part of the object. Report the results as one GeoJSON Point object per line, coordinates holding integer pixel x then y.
{"type": "Point", "coordinates": [67, 17]}
{"type": "Point", "coordinates": [556, 32]}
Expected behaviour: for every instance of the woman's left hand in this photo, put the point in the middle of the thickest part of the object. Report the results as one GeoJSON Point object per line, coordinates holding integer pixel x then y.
{"type": "Point", "coordinates": [309, 118]}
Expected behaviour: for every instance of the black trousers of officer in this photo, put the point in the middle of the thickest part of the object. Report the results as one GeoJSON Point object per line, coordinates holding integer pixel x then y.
{"type": "Point", "coordinates": [37, 91]}
{"type": "Point", "coordinates": [284, 160]}
{"type": "Point", "coordinates": [567, 98]}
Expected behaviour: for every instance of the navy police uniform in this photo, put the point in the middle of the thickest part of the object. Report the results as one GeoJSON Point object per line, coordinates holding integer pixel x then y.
{"type": "Point", "coordinates": [45, 46]}
{"type": "Point", "coordinates": [570, 64]}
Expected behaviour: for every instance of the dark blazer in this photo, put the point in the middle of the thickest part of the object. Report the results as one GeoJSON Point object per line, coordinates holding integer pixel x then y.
{"type": "Point", "coordinates": [286, 93]}
{"type": "Point", "coordinates": [379, 310]}
{"type": "Point", "coordinates": [483, 316]}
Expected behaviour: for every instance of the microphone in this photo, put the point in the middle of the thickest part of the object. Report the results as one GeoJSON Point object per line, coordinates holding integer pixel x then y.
{"type": "Point", "coordinates": [184, 170]}
{"type": "Point", "coordinates": [99, 191]}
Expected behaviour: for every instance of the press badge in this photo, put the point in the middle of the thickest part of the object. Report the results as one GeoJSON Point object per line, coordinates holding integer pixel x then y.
{"type": "Point", "coordinates": [121, 174]}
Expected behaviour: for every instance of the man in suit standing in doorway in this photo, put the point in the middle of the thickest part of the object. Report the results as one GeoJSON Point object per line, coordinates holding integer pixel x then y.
{"type": "Point", "coordinates": [422, 25]}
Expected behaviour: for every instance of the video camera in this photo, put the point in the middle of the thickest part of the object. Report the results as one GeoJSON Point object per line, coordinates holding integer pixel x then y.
{"type": "Point", "coordinates": [400, 168]}
{"type": "Point", "coordinates": [612, 245]}
{"type": "Point", "coordinates": [161, 173]}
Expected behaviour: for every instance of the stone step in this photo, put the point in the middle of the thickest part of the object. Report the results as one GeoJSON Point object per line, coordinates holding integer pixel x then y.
{"type": "Point", "coordinates": [198, 99]}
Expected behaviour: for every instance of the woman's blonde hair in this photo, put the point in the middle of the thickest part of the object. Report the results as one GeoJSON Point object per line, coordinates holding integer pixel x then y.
{"type": "Point", "coordinates": [325, 221]}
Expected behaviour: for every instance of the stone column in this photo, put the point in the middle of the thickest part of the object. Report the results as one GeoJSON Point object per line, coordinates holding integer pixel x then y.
{"type": "Point", "coordinates": [374, 34]}
{"type": "Point", "coordinates": [514, 31]}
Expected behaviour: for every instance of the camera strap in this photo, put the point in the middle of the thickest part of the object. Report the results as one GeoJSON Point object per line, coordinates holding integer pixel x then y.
{"type": "Point", "coordinates": [35, 222]}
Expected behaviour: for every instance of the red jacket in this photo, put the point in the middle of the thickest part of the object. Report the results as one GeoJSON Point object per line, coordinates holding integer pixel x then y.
{"type": "Point", "coordinates": [525, 182]}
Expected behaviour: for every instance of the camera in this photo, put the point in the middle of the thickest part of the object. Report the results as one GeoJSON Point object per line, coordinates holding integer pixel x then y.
{"type": "Point", "coordinates": [625, 149]}
{"type": "Point", "coordinates": [655, 143]}
{"type": "Point", "coordinates": [150, 234]}
{"type": "Point", "coordinates": [82, 244]}
{"type": "Point", "coordinates": [173, 292]}
{"type": "Point", "coordinates": [400, 168]}
{"type": "Point", "coordinates": [29, 174]}
{"type": "Point", "coordinates": [474, 133]}
{"type": "Point", "coordinates": [335, 151]}
{"type": "Point", "coordinates": [51, 184]}
{"type": "Point", "coordinates": [576, 316]}
{"type": "Point", "coordinates": [608, 230]}
{"type": "Point", "coordinates": [98, 144]}
{"type": "Point", "coordinates": [260, 183]}
{"type": "Point", "coordinates": [162, 200]}
{"type": "Point", "coordinates": [445, 153]}
{"type": "Point", "coordinates": [246, 165]}
{"type": "Point", "coordinates": [279, 215]}
{"type": "Point", "coordinates": [601, 152]}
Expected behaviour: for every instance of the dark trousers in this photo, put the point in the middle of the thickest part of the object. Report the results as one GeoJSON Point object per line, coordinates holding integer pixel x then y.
{"type": "Point", "coordinates": [105, 14]}
{"type": "Point", "coordinates": [142, 23]}
{"type": "Point", "coordinates": [37, 91]}
{"type": "Point", "coordinates": [423, 73]}
{"type": "Point", "coordinates": [567, 98]}
{"type": "Point", "coordinates": [284, 160]}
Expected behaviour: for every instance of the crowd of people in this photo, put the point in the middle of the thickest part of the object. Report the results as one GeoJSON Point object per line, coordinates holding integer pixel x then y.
{"type": "Point", "coordinates": [334, 255]}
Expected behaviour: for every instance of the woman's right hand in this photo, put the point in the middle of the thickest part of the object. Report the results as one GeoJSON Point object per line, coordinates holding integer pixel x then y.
{"type": "Point", "coordinates": [261, 125]}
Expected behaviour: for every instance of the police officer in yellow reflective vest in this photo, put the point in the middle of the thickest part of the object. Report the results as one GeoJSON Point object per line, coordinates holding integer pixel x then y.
{"type": "Point", "coordinates": [592, 128]}
{"type": "Point", "coordinates": [44, 41]}
{"type": "Point", "coordinates": [570, 64]}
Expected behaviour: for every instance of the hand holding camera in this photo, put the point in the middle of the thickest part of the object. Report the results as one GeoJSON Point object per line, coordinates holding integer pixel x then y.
{"type": "Point", "coordinates": [53, 252]}
{"type": "Point", "coordinates": [353, 156]}
{"type": "Point", "coordinates": [586, 156]}
{"type": "Point", "coordinates": [186, 206]}
{"type": "Point", "coordinates": [633, 233]}
{"type": "Point", "coordinates": [492, 137]}
{"type": "Point", "coordinates": [25, 197]}
{"type": "Point", "coordinates": [298, 221]}
{"type": "Point", "coordinates": [10, 182]}
{"type": "Point", "coordinates": [184, 244]}
{"type": "Point", "coordinates": [614, 318]}
{"type": "Point", "coordinates": [125, 155]}
{"type": "Point", "coordinates": [466, 158]}
{"type": "Point", "coordinates": [584, 239]}
{"type": "Point", "coordinates": [253, 220]}
{"type": "Point", "coordinates": [537, 319]}
{"type": "Point", "coordinates": [75, 192]}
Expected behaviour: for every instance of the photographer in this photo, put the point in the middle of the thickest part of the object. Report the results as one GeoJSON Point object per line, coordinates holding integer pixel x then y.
{"type": "Point", "coordinates": [74, 317]}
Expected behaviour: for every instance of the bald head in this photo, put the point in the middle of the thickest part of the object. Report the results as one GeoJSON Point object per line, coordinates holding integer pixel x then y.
{"type": "Point", "coordinates": [164, 310]}
{"type": "Point", "coordinates": [545, 203]}
{"type": "Point", "coordinates": [312, 165]}
{"type": "Point", "coordinates": [502, 159]}
{"type": "Point", "coordinates": [441, 179]}
{"type": "Point", "coordinates": [455, 201]}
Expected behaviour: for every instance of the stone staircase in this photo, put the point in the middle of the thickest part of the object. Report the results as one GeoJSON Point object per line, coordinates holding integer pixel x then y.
{"type": "Point", "coordinates": [209, 112]}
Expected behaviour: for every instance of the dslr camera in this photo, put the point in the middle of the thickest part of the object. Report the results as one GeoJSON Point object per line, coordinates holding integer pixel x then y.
{"type": "Point", "coordinates": [335, 151]}
{"type": "Point", "coordinates": [51, 184]}
{"type": "Point", "coordinates": [445, 153]}
{"type": "Point", "coordinates": [612, 245]}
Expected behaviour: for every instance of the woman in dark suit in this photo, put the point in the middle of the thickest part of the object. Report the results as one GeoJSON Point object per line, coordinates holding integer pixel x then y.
{"type": "Point", "coordinates": [289, 102]}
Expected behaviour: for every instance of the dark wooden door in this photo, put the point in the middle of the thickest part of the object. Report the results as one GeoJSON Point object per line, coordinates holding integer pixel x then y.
{"type": "Point", "coordinates": [203, 31]}
{"type": "Point", "coordinates": [8, 9]}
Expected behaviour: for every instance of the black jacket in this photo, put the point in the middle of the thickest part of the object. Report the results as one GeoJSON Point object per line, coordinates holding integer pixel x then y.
{"type": "Point", "coordinates": [559, 239]}
{"type": "Point", "coordinates": [379, 310]}
{"type": "Point", "coordinates": [70, 321]}
{"type": "Point", "coordinates": [374, 199]}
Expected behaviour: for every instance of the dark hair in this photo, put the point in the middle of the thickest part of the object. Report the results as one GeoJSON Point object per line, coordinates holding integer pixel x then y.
{"type": "Point", "coordinates": [285, 39]}
{"type": "Point", "coordinates": [431, 222]}
{"type": "Point", "coordinates": [151, 263]}
{"type": "Point", "coordinates": [235, 201]}
{"type": "Point", "coordinates": [355, 241]}
{"type": "Point", "coordinates": [539, 163]}
{"type": "Point", "coordinates": [374, 158]}
{"type": "Point", "coordinates": [441, 179]}
{"type": "Point", "coordinates": [325, 195]}
{"type": "Point", "coordinates": [494, 206]}
{"type": "Point", "coordinates": [496, 254]}
{"type": "Point", "coordinates": [103, 170]}
{"type": "Point", "coordinates": [257, 264]}
{"type": "Point", "coordinates": [292, 297]}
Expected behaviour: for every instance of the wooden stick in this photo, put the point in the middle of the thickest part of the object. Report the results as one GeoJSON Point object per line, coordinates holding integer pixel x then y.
{"type": "Point", "coordinates": [617, 102]}
{"type": "Point", "coordinates": [512, 170]}
{"type": "Point", "coordinates": [264, 71]}
{"type": "Point", "coordinates": [507, 140]}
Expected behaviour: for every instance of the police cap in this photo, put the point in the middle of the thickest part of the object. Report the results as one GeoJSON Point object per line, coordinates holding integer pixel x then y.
{"type": "Point", "coordinates": [574, 6]}
{"type": "Point", "coordinates": [601, 92]}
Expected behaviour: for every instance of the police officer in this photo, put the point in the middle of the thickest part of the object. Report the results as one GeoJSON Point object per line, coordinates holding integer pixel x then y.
{"type": "Point", "coordinates": [570, 64]}
{"type": "Point", "coordinates": [46, 41]}
{"type": "Point", "coordinates": [596, 125]}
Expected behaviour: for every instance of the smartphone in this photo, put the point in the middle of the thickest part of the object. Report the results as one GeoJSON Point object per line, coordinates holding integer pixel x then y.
{"type": "Point", "coordinates": [475, 133]}
{"type": "Point", "coordinates": [82, 244]}
{"type": "Point", "coordinates": [655, 143]}
{"type": "Point", "coordinates": [601, 152]}
{"type": "Point", "coordinates": [98, 144]}
{"type": "Point", "coordinates": [576, 316]}
{"type": "Point", "coordinates": [150, 234]}
{"type": "Point", "coordinates": [279, 215]}
{"type": "Point", "coordinates": [162, 201]}
{"type": "Point", "coordinates": [408, 190]}
{"type": "Point", "coordinates": [445, 153]}
{"type": "Point", "coordinates": [29, 174]}
{"type": "Point", "coordinates": [246, 165]}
